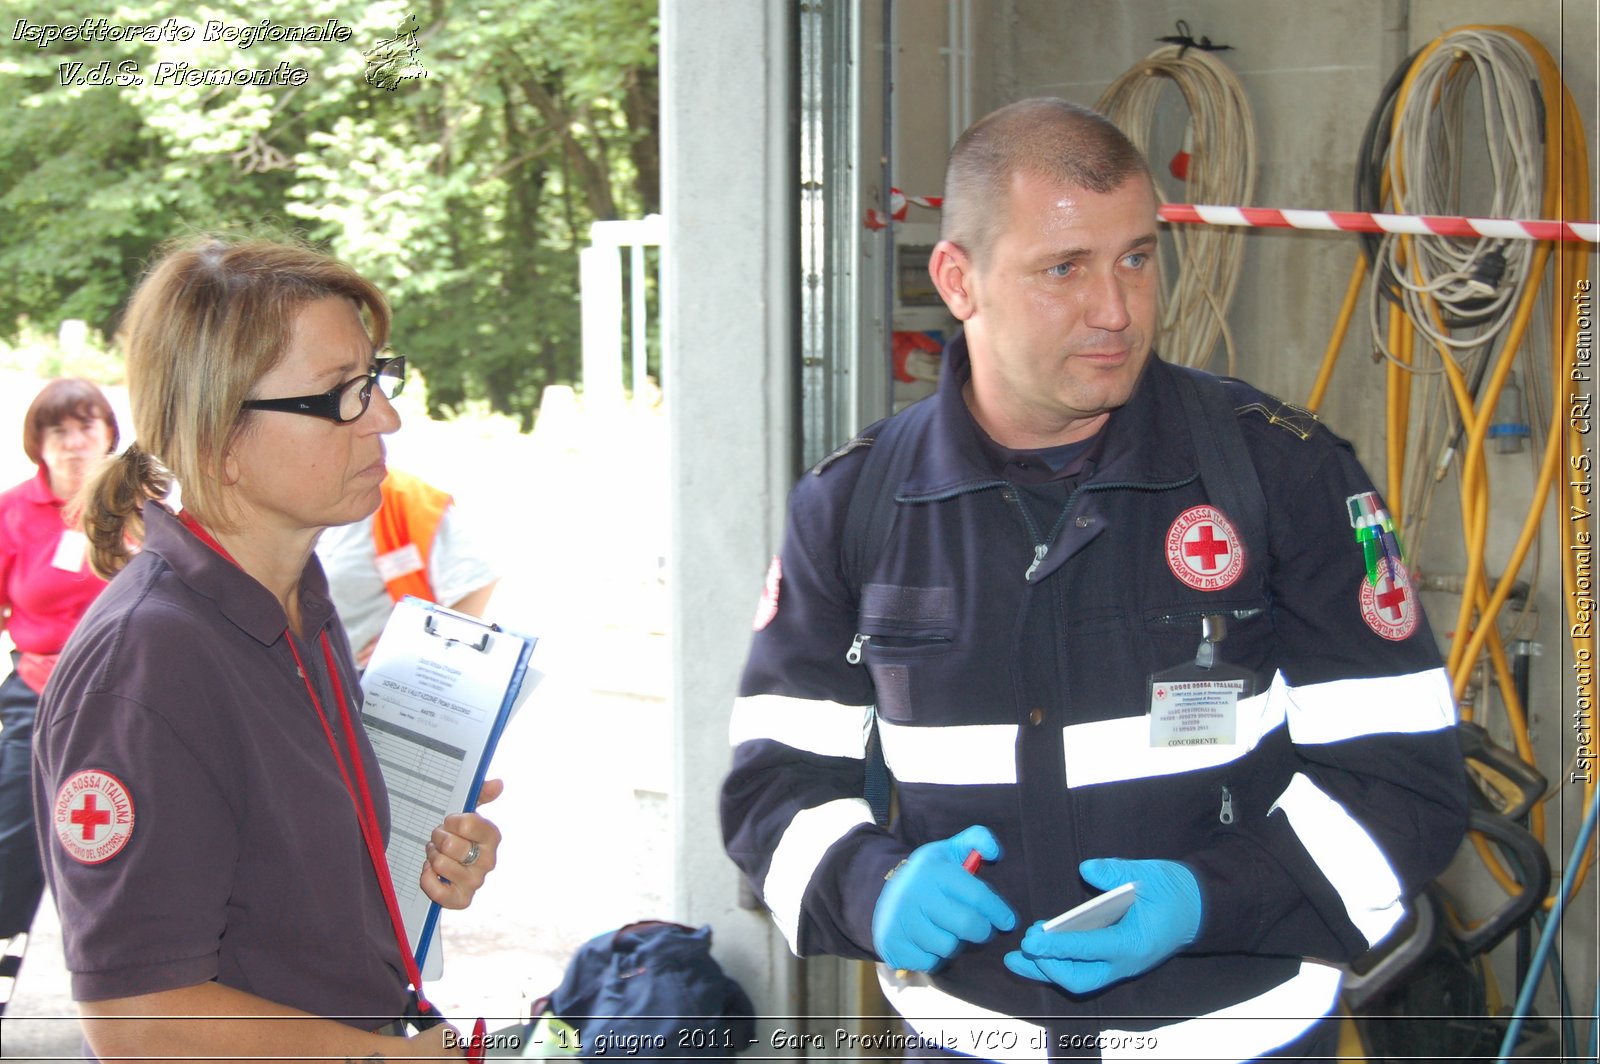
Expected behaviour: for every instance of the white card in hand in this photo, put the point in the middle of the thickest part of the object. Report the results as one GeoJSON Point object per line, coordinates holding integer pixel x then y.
{"type": "Point", "coordinates": [1103, 910]}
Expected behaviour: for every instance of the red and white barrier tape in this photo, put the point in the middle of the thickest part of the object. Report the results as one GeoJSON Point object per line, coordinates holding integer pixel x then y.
{"type": "Point", "coordinates": [1363, 222]}
{"type": "Point", "coordinates": [898, 202]}
{"type": "Point", "coordinates": [1338, 221]}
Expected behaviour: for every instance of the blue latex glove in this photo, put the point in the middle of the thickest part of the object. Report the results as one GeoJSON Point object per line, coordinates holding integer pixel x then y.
{"type": "Point", "coordinates": [930, 904]}
{"type": "Point", "coordinates": [1165, 917]}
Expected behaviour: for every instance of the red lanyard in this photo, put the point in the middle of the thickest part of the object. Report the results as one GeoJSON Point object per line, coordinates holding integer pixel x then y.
{"type": "Point", "coordinates": [360, 793]}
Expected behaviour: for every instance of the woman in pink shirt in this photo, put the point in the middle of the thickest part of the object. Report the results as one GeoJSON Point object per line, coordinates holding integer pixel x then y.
{"type": "Point", "coordinates": [45, 587]}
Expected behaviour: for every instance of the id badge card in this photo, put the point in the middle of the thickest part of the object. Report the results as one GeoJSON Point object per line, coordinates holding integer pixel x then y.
{"type": "Point", "coordinates": [1195, 706]}
{"type": "Point", "coordinates": [72, 550]}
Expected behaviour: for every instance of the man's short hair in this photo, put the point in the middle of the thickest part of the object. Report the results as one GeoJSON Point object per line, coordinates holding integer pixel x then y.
{"type": "Point", "coordinates": [1044, 137]}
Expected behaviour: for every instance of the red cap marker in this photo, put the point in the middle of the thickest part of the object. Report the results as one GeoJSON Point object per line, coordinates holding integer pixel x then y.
{"type": "Point", "coordinates": [972, 861]}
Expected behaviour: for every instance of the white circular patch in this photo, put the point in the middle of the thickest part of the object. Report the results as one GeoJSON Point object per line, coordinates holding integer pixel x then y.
{"type": "Point", "coordinates": [768, 608]}
{"type": "Point", "coordinates": [1389, 607]}
{"type": "Point", "coordinates": [1203, 550]}
{"type": "Point", "coordinates": [93, 816]}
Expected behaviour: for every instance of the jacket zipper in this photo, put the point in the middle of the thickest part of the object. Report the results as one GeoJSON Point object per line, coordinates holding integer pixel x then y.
{"type": "Point", "coordinates": [1225, 814]}
{"type": "Point", "coordinates": [1041, 547]}
{"type": "Point", "coordinates": [1189, 615]}
{"type": "Point", "coordinates": [853, 655]}
{"type": "Point", "coordinates": [859, 643]}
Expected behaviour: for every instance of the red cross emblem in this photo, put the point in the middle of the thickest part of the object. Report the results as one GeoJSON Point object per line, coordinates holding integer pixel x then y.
{"type": "Point", "coordinates": [1389, 607]}
{"type": "Point", "coordinates": [90, 816]}
{"type": "Point", "coordinates": [1203, 550]}
{"type": "Point", "coordinates": [1205, 546]}
{"type": "Point", "coordinates": [93, 816]}
{"type": "Point", "coordinates": [1392, 601]}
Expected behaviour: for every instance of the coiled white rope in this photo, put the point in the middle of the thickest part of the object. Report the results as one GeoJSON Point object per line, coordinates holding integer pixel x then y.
{"type": "Point", "coordinates": [1474, 282]}
{"type": "Point", "coordinates": [1222, 169]}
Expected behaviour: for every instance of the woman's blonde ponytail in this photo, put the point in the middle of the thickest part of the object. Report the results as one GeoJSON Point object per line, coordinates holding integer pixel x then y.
{"type": "Point", "coordinates": [112, 505]}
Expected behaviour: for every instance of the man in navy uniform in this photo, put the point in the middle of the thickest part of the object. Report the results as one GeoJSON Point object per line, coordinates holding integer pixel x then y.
{"type": "Point", "coordinates": [1112, 637]}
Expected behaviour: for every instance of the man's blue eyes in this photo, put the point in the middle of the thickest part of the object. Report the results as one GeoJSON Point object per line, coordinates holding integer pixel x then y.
{"type": "Point", "coordinates": [1134, 260]}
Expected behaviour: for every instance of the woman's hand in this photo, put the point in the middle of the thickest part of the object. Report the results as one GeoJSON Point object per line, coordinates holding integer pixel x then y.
{"type": "Point", "coordinates": [462, 853]}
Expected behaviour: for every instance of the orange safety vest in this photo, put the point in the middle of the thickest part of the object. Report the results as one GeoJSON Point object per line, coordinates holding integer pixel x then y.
{"type": "Point", "coordinates": [403, 531]}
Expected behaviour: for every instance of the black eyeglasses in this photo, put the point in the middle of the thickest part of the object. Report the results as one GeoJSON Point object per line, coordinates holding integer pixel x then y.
{"type": "Point", "coordinates": [346, 402]}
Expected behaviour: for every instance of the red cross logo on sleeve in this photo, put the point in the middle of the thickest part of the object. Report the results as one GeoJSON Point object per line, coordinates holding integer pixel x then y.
{"type": "Point", "coordinates": [93, 816]}
{"type": "Point", "coordinates": [1203, 549]}
{"type": "Point", "coordinates": [1393, 600]}
{"type": "Point", "coordinates": [90, 816]}
{"type": "Point", "coordinates": [1389, 607]}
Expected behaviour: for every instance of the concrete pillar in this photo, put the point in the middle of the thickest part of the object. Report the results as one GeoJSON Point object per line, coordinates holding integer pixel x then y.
{"type": "Point", "coordinates": [728, 281]}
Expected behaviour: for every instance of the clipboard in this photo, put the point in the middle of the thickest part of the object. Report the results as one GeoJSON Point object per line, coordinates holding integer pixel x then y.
{"type": "Point", "coordinates": [438, 691]}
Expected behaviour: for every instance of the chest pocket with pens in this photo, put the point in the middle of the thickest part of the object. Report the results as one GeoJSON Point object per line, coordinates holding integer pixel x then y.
{"type": "Point", "coordinates": [1195, 703]}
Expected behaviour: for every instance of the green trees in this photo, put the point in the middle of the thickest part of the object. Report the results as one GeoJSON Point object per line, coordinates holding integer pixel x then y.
{"type": "Point", "coordinates": [454, 153]}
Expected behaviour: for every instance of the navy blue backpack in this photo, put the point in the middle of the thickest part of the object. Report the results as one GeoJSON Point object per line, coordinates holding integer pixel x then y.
{"type": "Point", "coordinates": [651, 990]}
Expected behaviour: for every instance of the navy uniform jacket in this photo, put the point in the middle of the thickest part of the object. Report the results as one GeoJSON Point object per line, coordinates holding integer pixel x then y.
{"type": "Point", "coordinates": [1018, 696]}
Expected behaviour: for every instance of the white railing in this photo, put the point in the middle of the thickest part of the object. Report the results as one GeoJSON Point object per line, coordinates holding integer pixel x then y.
{"type": "Point", "coordinates": [601, 291]}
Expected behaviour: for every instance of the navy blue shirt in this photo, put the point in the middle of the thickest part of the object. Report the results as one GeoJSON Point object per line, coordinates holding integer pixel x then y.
{"type": "Point", "coordinates": [194, 823]}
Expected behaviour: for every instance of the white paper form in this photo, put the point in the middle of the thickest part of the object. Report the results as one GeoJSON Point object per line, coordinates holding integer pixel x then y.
{"type": "Point", "coordinates": [439, 688]}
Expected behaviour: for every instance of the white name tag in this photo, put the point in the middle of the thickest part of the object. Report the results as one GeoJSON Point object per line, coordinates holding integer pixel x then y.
{"type": "Point", "coordinates": [1194, 712]}
{"type": "Point", "coordinates": [71, 551]}
{"type": "Point", "coordinates": [402, 562]}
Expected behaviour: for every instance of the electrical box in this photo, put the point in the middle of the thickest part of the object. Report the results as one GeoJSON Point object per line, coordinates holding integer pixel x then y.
{"type": "Point", "coordinates": [922, 324]}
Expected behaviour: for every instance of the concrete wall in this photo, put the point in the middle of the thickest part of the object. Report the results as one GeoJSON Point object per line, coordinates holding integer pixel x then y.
{"type": "Point", "coordinates": [728, 283]}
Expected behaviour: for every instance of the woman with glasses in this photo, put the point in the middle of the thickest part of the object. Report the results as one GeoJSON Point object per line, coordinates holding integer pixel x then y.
{"type": "Point", "coordinates": [213, 818]}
